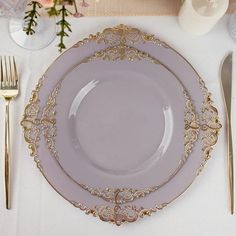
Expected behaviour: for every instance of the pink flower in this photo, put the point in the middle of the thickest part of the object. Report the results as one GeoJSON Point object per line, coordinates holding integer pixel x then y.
{"type": "Point", "coordinates": [78, 15]}
{"type": "Point", "coordinates": [46, 3]}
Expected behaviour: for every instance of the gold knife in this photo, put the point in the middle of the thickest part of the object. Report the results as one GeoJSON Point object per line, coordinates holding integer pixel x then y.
{"type": "Point", "coordinates": [226, 82]}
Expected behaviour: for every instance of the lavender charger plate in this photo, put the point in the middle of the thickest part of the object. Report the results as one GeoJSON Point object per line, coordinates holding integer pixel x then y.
{"type": "Point", "coordinates": [123, 127]}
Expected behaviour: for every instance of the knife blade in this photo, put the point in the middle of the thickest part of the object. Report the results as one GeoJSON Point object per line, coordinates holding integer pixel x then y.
{"type": "Point", "coordinates": [226, 82]}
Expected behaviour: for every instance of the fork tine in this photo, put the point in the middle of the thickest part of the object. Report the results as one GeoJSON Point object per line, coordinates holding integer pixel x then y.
{"type": "Point", "coordinates": [6, 78]}
{"type": "Point", "coordinates": [15, 72]}
{"type": "Point", "coordinates": [8, 72]}
{"type": "Point", "coordinates": [11, 81]}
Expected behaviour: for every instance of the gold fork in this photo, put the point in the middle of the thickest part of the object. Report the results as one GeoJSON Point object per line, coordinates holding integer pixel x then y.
{"type": "Point", "coordinates": [9, 89]}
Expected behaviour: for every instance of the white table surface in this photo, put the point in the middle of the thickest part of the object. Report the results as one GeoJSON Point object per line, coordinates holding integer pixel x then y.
{"type": "Point", "coordinates": [37, 210]}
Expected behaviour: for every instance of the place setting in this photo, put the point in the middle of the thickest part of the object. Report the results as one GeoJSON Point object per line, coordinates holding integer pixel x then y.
{"type": "Point", "coordinates": [120, 124]}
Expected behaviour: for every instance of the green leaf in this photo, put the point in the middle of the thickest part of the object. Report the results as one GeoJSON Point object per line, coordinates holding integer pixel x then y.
{"type": "Point", "coordinates": [53, 11]}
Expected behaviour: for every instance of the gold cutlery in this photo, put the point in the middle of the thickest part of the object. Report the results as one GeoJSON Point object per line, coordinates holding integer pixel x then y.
{"type": "Point", "coordinates": [9, 89]}
{"type": "Point", "coordinates": [226, 82]}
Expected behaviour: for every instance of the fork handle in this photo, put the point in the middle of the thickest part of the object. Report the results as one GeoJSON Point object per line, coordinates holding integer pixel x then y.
{"type": "Point", "coordinates": [7, 157]}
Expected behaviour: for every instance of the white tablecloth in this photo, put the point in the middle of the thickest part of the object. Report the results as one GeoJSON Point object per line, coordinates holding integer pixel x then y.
{"type": "Point", "coordinates": [37, 210]}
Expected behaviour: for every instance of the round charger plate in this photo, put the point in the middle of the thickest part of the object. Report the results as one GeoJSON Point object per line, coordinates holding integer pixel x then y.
{"type": "Point", "coordinates": [116, 211]}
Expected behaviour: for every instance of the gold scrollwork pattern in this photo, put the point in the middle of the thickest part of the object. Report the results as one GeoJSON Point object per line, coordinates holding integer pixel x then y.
{"type": "Point", "coordinates": [192, 126]}
{"type": "Point", "coordinates": [31, 122]}
{"type": "Point", "coordinates": [121, 52]}
{"type": "Point", "coordinates": [119, 214]}
{"type": "Point", "coordinates": [210, 125]}
{"type": "Point", "coordinates": [121, 34]}
{"type": "Point", "coordinates": [48, 120]}
{"type": "Point", "coordinates": [119, 195]}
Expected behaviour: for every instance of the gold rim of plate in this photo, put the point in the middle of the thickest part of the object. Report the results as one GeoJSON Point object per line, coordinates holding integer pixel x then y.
{"type": "Point", "coordinates": [210, 125]}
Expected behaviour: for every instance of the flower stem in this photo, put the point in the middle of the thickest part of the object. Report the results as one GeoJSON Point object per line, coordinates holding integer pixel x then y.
{"type": "Point", "coordinates": [64, 25]}
{"type": "Point", "coordinates": [31, 18]}
{"type": "Point", "coordinates": [75, 5]}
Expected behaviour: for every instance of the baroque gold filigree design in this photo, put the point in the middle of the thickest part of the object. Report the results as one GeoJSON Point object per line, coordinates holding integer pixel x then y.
{"type": "Point", "coordinates": [30, 121]}
{"type": "Point", "coordinates": [192, 126]}
{"type": "Point", "coordinates": [121, 52]}
{"type": "Point", "coordinates": [120, 195]}
{"type": "Point", "coordinates": [121, 34]}
{"type": "Point", "coordinates": [210, 124]}
{"type": "Point", "coordinates": [48, 120]}
{"type": "Point", "coordinates": [119, 214]}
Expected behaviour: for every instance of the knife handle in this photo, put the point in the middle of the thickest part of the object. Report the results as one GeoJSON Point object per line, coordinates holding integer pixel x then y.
{"type": "Point", "coordinates": [230, 161]}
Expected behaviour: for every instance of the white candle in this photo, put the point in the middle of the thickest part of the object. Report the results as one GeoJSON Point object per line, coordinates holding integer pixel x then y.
{"type": "Point", "coordinates": [199, 16]}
